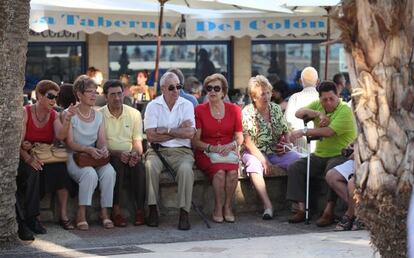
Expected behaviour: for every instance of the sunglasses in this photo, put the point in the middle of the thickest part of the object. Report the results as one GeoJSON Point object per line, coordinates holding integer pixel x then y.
{"type": "Point", "coordinates": [215, 88]}
{"type": "Point", "coordinates": [173, 87]}
{"type": "Point", "coordinates": [51, 96]}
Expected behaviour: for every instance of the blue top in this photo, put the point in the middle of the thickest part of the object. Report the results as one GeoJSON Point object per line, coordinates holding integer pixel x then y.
{"type": "Point", "coordinates": [189, 97]}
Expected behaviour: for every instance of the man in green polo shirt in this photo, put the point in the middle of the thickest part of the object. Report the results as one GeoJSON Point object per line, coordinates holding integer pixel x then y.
{"type": "Point", "coordinates": [336, 125]}
{"type": "Point", "coordinates": [123, 127]}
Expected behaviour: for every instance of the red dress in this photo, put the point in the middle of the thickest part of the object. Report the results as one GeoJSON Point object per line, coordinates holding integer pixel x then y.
{"type": "Point", "coordinates": [216, 131]}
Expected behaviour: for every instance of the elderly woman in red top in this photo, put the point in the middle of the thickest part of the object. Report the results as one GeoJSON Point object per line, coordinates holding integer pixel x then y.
{"type": "Point", "coordinates": [41, 124]}
{"type": "Point", "coordinates": [219, 131]}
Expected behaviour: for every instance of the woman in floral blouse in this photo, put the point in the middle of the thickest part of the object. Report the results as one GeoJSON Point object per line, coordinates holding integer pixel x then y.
{"type": "Point", "coordinates": [266, 137]}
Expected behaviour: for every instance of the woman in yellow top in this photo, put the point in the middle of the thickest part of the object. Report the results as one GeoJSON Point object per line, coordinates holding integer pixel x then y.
{"type": "Point", "coordinates": [140, 91]}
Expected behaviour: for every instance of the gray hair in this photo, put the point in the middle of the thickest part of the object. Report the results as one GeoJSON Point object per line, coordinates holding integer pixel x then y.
{"type": "Point", "coordinates": [309, 77]}
{"type": "Point", "coordinates": [166, 76]}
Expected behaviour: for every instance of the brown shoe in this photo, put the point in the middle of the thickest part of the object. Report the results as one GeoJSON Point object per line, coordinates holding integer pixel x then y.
{"type": "Point", "coordinates": [119, 221]}
{"type": "Point", "coordinates": [298, 217]}
{"type": "Point", "coordinates": [325, 220]}
{"type": "Point", "coordinates": [183, 223]}
{"type": "Point", "coordinates": [152, 220]}
{"type": "Point", "coordinates": [139, 217]}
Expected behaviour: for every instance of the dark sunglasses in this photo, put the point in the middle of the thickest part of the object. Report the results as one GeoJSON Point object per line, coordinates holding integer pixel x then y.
{"type": "Point", "coordinates": [51, 96]}
{"type": "Point", "coordinates": [173, 87]}
{"type": "Point", "coordinates": [215, 88]}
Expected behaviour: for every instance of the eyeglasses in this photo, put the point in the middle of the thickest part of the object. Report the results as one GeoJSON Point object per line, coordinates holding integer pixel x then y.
{"type": "Point", "coordinates": [173, 87]}
{"type": "Point", "coordinates": [216, 88]}
{"type": "Point", "coordinates": [51, 96]}
{"type": "Point", "coordinates": [90, 92]}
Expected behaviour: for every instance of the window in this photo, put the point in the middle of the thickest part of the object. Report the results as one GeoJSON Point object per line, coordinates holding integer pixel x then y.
{"type": "Point", "coordinates": [129, 57]}
{"type": "Point", "coordinates": [59, 62]}
{"type": "Point", "coordinates": [286, 59]}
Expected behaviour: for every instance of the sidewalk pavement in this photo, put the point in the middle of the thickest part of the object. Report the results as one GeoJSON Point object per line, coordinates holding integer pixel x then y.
{"type": "Point", "coordinates": [249, 237]}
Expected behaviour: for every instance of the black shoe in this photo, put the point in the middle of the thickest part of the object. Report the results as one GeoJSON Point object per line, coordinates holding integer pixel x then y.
{"type": "Point", "coordinates": [183, 223]}
{"type": "Point", "coordinates": [24, 232]}
{"type": "Point", "coordinates": [152, 219]}
{"type": "Point", "coordinates": [35, 226]}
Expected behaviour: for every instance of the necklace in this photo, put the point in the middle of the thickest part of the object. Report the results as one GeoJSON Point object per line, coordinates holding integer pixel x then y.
{"type": "Point", "coordinates": [83, 116]}
{"type": "Point", "coordinates": [37, 118]}
{"type": "Point", "coordinates": [217, 112]}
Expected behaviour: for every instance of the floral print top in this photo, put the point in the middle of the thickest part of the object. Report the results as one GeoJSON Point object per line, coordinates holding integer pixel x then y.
{"type": "Point", "coordinates": [264, 135]}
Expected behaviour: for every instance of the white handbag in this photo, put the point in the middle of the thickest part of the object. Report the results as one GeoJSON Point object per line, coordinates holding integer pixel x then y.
{"type": "Point", "coordinates": [231, 158]}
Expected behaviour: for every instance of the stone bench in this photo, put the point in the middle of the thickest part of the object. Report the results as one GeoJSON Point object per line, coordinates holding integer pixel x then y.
{"type": "Point", "coordinates": [246, 199]}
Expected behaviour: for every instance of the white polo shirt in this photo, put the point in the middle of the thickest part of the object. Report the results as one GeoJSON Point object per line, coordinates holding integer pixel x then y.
{"type": "Point", "coordinates": [157, 114]}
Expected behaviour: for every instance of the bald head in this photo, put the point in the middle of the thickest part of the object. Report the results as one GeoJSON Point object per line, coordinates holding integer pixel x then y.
{"type": "Point", "coordinates": [309, 77]}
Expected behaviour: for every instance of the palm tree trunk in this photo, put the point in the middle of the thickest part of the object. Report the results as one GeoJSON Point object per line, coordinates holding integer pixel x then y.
{"type": "Point", "coordinates": [378, 38]}
{"type": "Point", "coordinates": [14, 29]}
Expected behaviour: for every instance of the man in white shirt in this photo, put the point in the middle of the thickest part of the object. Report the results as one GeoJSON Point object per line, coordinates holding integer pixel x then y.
{"type": "Point", "coordinates": [309, 79]}
{"type": "Point", "coordinates": [169, 121]}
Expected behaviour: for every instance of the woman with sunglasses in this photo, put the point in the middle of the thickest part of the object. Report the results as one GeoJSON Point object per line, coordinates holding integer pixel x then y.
{"type": "Point", "coordinates": [87, 134]}
{"type": "Point", "coordinates": [219, 130]}
{"type": "Point", "coordinates": [265, 138]}
{"type": "Point", "coordinates": [41, 124]}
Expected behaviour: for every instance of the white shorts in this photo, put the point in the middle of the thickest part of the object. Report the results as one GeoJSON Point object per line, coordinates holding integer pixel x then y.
{"type": "Point", "coordinates": [346, 169]}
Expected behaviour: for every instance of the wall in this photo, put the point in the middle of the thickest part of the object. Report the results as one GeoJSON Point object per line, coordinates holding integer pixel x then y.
{"type": "Point", "coordinates": [242, 59]}
{"type": "Point", "coordinates": [97, 47]}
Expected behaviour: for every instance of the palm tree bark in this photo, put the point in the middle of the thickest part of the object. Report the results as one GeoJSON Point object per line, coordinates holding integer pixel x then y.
{"type": "Point", "coordinates": [14, 29]}
{"type": "Point", "coordinates": [378, 39]}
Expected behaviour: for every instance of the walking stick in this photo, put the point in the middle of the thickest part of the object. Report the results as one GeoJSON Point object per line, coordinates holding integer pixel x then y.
{"type": "Point", "coordinates": [155, 147]}
{"type": "Point", "coordinates": [306, 120]}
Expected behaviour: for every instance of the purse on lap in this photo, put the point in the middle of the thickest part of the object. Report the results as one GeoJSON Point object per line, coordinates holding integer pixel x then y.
{"type": "Point", "coordinates": [49, 153]}
{"type": "Point", "coordinates": [231, 158]}
{"type": "Point", "coordinates": [83, 159]}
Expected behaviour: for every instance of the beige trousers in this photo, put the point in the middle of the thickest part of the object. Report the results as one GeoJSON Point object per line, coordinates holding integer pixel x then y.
{"type": "Point", "coordinates": [181, 160]}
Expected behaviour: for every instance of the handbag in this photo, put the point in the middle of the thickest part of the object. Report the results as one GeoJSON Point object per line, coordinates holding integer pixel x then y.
{"type": "Point", "coordinates": [83, 159]}
{"type": "Point", "coordinates": [231, 158]}
{"type": "Point", "coordinates": [49, 153]}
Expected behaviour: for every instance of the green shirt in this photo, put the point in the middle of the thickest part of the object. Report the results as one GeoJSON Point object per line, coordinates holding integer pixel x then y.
{"type": "Point", "coordinates": [342, 121]}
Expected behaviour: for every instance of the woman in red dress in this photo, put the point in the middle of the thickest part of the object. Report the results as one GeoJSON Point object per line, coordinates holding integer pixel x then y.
{"type": "Point", "coordinates": [219, 131]}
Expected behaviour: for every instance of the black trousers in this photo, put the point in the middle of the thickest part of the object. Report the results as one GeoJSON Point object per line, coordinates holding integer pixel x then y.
{"type": "Point", "coordinates": [32, 185]}
{"type": "Point", "coordinates": [296, 188]}
{"type": "Point", "coordinates": [28, 190]}
{"type": "Point", "coordinates": [136, 181]}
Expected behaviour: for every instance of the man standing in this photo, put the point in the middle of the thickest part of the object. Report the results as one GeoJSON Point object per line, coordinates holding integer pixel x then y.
{"type": "Point", "coordinates": [123, 126]}
{"type": "Point", "coordinates": [336, 124]}
{"type": "Point", "coordinates": [183, 94]}
{"type": "Point", "coordinates": [309, 80]}
{"type": "Point", "coordinates": [339, 80]}
{"type": "Point", "coordinates": [169, 121]}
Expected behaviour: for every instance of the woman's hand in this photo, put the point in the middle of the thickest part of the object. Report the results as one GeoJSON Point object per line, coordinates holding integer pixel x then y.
{"type": "Point", "coordinates": [94, 152]}
{"type": "Point", "coordinates": [35, 163]}
{"type": "Point", "coordinates": [70, 112]}
{"type": "Point", "coordinates": [26, 145]}
{"type": "Point", "coordinates": [266, 166]}
{"type": "Point", "coordinates": [104, 152]}
{"type": "Point", "coordinates": [280, 146]}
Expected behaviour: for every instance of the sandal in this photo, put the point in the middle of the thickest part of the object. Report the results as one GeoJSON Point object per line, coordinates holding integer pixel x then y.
{"type": "Point", "coordinates": [83, 225]}
{"type": "Point", "coordinates": [107, 223]}
{"type": "Point", "coordinates": [268, 214]}
{"type": "Point", "coordinates": [345, 224]}
{"type": "Point", "coordinates": [66, 224]}
{"type": "Point", "coordinates": [358, 225]}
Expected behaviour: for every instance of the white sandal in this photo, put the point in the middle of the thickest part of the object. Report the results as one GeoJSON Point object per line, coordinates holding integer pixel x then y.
{"type": "Point", "coordinates": [268, 214]}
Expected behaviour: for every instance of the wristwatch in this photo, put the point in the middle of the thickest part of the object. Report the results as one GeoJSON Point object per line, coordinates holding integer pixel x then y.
{"type": "Point", "coordinates": [305, 131]}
